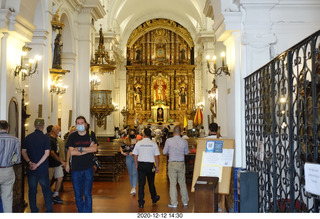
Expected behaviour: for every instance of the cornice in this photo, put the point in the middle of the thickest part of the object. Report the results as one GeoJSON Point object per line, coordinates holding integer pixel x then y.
{"type": "Point", "coordinates": [156, 24]}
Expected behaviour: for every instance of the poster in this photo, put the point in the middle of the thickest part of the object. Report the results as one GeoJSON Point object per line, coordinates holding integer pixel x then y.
{"type": "Point", "coordinates": [312, 177]}
{"type": "Point", "coordinates": [214, 146]}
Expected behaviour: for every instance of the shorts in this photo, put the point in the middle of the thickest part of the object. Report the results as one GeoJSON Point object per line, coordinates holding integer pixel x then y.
{"type": "Point", "coordinates": [56, 172]}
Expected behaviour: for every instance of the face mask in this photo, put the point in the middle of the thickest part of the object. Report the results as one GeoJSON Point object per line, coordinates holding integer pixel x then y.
{"type": "Point", "coordinates": [80, 128]}
{"type": "Point", "coordinates": [132, 136]}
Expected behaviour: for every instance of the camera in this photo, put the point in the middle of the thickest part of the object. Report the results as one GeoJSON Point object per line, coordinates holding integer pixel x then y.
{"type": "Point", "coordinates": [96, 162]}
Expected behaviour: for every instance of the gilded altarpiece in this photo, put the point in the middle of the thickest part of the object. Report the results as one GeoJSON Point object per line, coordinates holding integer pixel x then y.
{"type": "Point", "coordinates": [160, 73]}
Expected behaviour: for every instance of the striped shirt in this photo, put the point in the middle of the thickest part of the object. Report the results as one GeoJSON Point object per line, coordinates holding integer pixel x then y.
{"type": "Point", "coordinates": [176, 147]}
{"type": "Point", "coordinates": [9, 148]}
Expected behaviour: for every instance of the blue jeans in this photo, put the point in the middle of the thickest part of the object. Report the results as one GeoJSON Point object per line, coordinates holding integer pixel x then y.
{"type": "Point", "coordinates": [46, 191]}
{"type": "Point", "coordinates": [133, 173]}
{"type": "Point", "coordinates": [82, 185]}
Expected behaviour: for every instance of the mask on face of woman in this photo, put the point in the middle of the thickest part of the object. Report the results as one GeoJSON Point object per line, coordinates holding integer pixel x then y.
{"type": "Point", "coordinates": [132, 136]}
{"type": "Point", "coordinates": [81, 128]}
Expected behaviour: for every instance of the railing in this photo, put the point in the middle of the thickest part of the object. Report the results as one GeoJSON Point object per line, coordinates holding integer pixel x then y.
{"type": "Point", "coordinates": [282, 101]}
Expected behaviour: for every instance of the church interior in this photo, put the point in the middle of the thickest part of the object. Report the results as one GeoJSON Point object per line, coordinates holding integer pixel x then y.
{"type": "Point", "coordinates": [132, 64]}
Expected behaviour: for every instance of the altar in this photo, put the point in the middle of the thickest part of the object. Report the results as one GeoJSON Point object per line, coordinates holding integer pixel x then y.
{"type": "Point", "coordinates": [160, 75]}
{"type": "Point", "coordinates": [160, 113]}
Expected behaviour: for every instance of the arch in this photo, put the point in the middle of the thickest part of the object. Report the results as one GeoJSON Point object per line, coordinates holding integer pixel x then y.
{"type": "Point", "coordinates": [67, 33]}
{"type": "Point", "coordinates": [134, 23]}
{"type": "Point", "coordinates": [39, 19]}
{"type": "Point", "coordinates": [13, 117]}
{"type": "Point", "coordinates": [160, 23]}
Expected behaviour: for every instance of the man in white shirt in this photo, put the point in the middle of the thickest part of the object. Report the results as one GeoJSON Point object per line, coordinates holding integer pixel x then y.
{"type": "Point", "coordinates": [146, 153]}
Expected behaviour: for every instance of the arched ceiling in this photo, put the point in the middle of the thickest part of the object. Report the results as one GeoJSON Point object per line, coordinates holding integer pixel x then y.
{"type": "Point", "coordinates": [129, 14]}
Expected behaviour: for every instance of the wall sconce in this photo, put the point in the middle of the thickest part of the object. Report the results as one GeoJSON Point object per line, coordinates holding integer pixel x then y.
{"type": "Point", "coordinates": [57, 86]}
{"type": "Point", "coordinates": [215, 70]}
{"type": "Point", "coordinates": [27, 69]}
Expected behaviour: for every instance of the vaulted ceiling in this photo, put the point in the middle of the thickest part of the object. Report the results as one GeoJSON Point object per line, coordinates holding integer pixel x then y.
{"type": "Point", "coordinates": [129, 14]}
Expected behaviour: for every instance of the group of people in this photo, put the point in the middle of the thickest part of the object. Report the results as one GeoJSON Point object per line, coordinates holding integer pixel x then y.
{"type": "Point", "coordinates": [142, 159]}
{"type": "Point", "coordinates": [41, 153]}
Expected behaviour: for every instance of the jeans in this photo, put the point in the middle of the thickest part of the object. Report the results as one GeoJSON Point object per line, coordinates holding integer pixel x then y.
{"type": "Point", "coordinates": [46, 191]}
{"type": "Point", "coordinates": [133, 174]}
{"type": "Point", "coordinates": [145, 171]}
{"type": "Point", "coordinates": [82, 181]}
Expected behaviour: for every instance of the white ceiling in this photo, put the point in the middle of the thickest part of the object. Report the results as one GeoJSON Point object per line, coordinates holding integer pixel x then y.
{"type": "Point", "coordinates": [126, 15]}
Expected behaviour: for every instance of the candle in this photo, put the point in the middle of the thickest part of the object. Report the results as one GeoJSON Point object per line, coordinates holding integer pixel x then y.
{"type": "Point", "coordinates": [222, 58]}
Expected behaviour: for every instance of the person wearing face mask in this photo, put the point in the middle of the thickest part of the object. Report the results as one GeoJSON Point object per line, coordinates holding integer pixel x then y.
{"type": "Point", "coordinates": [81, 146]}
{"type": "Point", "coordinates": [126, 149]}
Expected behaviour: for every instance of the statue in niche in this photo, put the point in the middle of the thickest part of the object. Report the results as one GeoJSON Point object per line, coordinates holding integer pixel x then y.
{"type": "Point", "coordinates": [138, 52]}
{"type": "Point", "coordinates": [160, 115]}
{"type": "Point", "coordinates": [137, 95]}
{"type": "Point", "coordinates": [159, 91]}
{"type": "Point", "coordinates": [183, 96]}
{"type": "Point", "coordinates": [56, 63]}
{"type": "Point", "coordinates": [183, 54]}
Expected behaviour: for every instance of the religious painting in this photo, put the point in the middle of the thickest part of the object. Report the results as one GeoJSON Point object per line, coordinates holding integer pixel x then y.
{"type": "Point", "coordinates": [160, 53]}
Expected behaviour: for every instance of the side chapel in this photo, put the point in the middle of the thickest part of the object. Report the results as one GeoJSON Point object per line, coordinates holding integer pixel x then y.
{"type": "Point", "coordinates": [160, 73]}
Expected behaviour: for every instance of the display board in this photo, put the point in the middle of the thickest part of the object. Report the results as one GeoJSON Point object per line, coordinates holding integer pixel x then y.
{"type": "Point", "coordinates": [213, 147]}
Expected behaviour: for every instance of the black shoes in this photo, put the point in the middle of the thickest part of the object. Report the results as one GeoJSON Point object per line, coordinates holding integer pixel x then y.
{"type": "Point", "coordinates": [156, 199]}
{"type": "Point", "coordinates": [141, 205]}
{"type": "Point", "coordinates": [57, 200]}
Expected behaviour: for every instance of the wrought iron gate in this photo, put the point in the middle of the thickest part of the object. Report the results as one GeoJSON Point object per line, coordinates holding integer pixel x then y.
{"type": "Point", "coordinates": [282, 101]}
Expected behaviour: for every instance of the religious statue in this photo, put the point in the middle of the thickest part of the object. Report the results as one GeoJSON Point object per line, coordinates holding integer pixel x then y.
{"type": "Point", "coordinates": [183, 54]}
{"type": "Point", "coordinates": [138, 55]}
{"type": "Point", "coordinates": [101, 38]}
{"type": "Point", "coordinates": [183, 96]}
{"type": "Point", "coordinates": [56, 63]}
{"type": "Point", "coordinates": [137, 95]}
{"type": "Point", "coordinates": [160, 115]}
{"type": "Point", "coordinates": [159, 91]}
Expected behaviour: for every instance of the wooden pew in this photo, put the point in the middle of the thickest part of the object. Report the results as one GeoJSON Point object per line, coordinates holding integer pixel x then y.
{"type": "Point", "coordinates": [111, 160]}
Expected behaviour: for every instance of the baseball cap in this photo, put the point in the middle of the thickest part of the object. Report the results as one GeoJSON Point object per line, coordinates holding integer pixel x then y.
{"type": "Point", "coordinates": [39, 122]}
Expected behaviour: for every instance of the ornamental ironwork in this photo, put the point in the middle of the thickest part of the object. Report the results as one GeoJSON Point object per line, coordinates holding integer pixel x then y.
{"type": "Point", "coordinates": [282, 101]}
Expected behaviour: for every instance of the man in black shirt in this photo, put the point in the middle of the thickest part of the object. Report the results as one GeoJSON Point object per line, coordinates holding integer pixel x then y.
{"type": "Point", "coordinates": [55, 162]}
{"type": "Point", "coordinates": [35, 151]}
{"type": "Point", "coordinates": [81, 146]}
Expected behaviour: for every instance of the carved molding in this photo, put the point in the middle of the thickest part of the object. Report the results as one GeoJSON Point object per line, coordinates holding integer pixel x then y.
{"type": "Point", "coordinates": [157, 24]}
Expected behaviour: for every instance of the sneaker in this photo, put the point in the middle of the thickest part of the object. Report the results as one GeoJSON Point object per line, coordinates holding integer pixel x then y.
{"type": "Point", "coordinates": [57, 200]}
{"type": "Point", "coordinates": [172, 206]}
{"type": "Point", "coordinates": [133, 191]}
{"type": "Point", "coordinates": [156, 199]}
